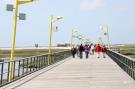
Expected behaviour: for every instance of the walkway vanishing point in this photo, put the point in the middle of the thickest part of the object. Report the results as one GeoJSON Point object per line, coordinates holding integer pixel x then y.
{"type": "Point", "coordinates": [92, 73]}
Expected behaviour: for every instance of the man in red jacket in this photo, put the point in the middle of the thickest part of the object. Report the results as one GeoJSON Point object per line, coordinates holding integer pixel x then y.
{"type": "Point", "coordinates": [98, 49]}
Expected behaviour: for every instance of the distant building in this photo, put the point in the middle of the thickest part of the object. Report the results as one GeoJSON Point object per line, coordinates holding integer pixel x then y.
{"type": "Point", "coordinates": [63, 45]}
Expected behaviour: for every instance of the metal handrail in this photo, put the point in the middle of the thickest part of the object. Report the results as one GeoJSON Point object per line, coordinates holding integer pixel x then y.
{"type": "Point", "coordinates": [126, 63]}
{"type": "Point", "coordinates": [28, 65]}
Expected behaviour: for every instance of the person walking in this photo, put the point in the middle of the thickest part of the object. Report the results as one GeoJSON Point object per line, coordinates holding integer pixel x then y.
{"type": "Point", "coordinates": [77, 47]}
{"type": "Point", "coordinates": [81, 49]}
{"type": "Point", "coordinates": [98, 50]}
{"type": "Point", "coordinates": [73, 51]}
{"type": "Point", "coordinates": [92, 49]}
{"type": "Point", "coordinates": [86, 50]}
{"type": "Point", "coordinates": [104, 49]}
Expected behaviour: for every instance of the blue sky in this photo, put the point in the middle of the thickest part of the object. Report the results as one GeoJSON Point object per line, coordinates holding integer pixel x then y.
{"type": "Point", "coordinates": [85, 15]}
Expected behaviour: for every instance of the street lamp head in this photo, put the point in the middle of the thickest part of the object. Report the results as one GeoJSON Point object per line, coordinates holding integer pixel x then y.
{"type": "Point", "coordinates": [54, 19]}
{"type": "Point", "coordinates": [59, 17]}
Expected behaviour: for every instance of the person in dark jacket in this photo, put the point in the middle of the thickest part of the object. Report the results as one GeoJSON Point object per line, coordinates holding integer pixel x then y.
{"type": "Point", "coordinates": [104, 49]}
{"type": "Point", "coordinates": [73, 51]}
{"type": "Point", "coordinates": [86, 50]}
{"type": "Point", "coordinates": [81, 49]}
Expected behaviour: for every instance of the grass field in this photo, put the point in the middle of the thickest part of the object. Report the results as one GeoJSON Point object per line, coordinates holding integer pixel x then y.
{"type": "Point", "coordinates": [128, 50]}
{"type": "Point", "coordinates": [22, 53]}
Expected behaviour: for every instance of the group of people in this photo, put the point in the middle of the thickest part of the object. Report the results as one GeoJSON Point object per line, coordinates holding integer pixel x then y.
{"type": "Point", "coordinates": [88, 49]}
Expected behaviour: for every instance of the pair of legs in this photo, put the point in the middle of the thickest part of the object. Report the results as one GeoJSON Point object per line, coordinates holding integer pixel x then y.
{"type": "Point", "coordinates": [104, 55]}
{"type": "Point", "coordinates": [98, 54]}
{"type": "Point", "coordinates": [93, 51]}
{"type": "Point", "coordinates": [73, 54]}
{"type": "Point", "coordinates": [87, 55]}
{"type": "Point", "coordinates": [81, 55]}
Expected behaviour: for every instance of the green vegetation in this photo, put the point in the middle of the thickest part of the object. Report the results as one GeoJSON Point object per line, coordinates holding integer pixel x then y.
{"type": "Point", "coordinates": [21, 53]}
{"type": "Point", "coordinates": [128, 50]}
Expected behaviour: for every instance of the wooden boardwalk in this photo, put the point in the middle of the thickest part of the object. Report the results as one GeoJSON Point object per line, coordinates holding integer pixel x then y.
{"type": "Point", "coordinates": [92, 73]}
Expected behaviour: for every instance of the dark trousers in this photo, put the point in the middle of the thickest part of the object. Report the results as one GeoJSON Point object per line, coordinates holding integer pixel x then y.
{"type": "Point", "coordinates": [81, 55]}
{"type": "Point", "coordinates": [87, 55]}
{"type": "Point", "coordinates": [73, 54]}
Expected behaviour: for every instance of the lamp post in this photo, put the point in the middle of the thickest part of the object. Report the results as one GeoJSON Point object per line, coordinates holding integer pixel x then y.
{"type": "Point", "coordinates": [88, 41]}
{"type": "Point", "coordinates": [80, 37]}
{"type": "Point", "coordinates": [106, 33]}
{"type": "Point", "coordinates": [52, 20]}
{"type": "Point", "coordinates": [72, 37]}
{"type": "Point", "coordinates": [100, 40]}
{"type": "Point", "coordinates": [21, 17]}
{"type": "Point", "coordinates": [108, 37]}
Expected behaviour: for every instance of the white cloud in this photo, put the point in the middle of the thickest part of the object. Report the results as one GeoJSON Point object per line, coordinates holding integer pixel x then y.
{"type": "Point", "coordinates": [88, 5]}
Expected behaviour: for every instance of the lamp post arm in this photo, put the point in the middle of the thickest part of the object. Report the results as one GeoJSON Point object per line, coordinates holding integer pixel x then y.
{"type": "Point", "coordinates": [24, 2]}
{"type": "Point", "coordinates": [108, 37]}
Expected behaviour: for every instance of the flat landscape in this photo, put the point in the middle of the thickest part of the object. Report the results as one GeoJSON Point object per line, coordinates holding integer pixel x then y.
{"type": "Point", "coordinates": [22, 53]}
{"type": "Point", "coordinates": [128, 50]}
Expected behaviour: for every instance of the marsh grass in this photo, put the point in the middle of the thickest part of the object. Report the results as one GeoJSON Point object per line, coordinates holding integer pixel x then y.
{"type": "Point", "coordinates": [127, 50]}
{"type": "Point", "coordinates": [22, 53]}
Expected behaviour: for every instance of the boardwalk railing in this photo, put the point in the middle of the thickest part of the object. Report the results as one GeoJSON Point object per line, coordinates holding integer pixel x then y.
{"type": "Point", "coordinates": [126, 63]}
{"type": "Point", "coordinates": [28, 65]}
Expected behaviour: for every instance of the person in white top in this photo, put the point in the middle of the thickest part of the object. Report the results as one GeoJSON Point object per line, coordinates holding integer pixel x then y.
{"type": "Point", "coordinates": [92, 49]}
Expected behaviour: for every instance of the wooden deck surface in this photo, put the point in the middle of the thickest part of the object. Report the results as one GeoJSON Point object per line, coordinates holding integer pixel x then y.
{"type": "Point", "coordinates": [92, 73]}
